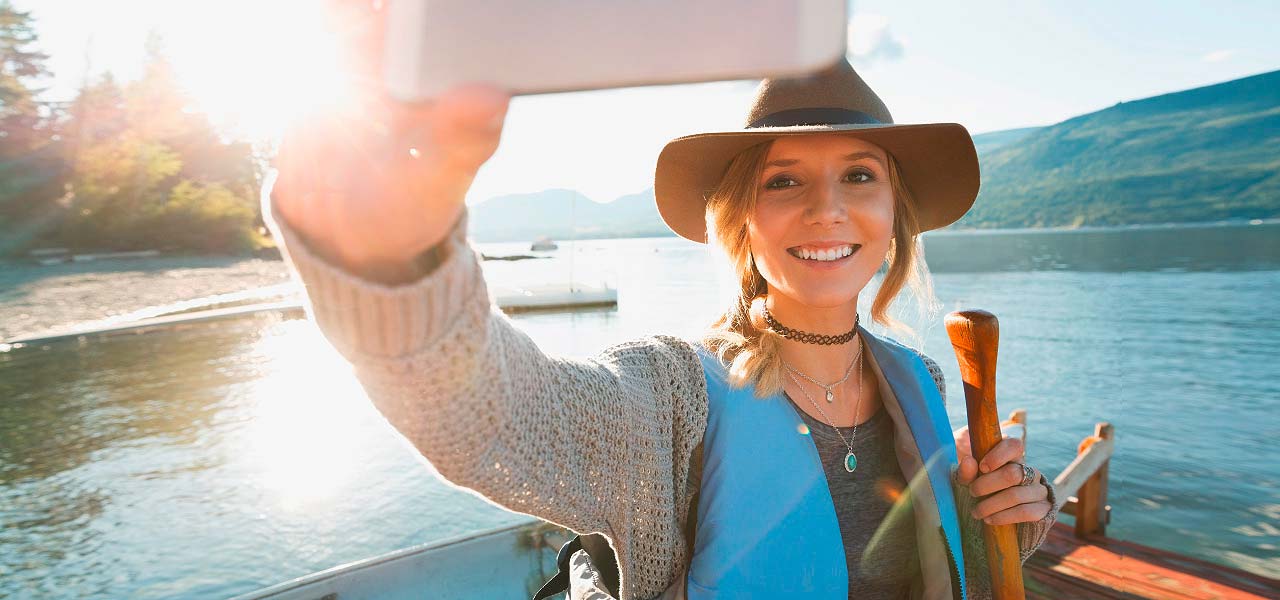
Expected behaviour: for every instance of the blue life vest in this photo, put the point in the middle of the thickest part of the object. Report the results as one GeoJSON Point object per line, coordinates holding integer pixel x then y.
{"type": "Point", "coordinates": [766, 524]}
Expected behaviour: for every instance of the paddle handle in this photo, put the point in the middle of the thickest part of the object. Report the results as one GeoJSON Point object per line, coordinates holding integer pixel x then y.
{"type": "Point", "coordinates": [975, 336]}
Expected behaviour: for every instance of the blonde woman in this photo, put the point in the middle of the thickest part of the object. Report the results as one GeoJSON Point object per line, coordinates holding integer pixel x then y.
{"type": "Point", "coordinates": [788, 453]}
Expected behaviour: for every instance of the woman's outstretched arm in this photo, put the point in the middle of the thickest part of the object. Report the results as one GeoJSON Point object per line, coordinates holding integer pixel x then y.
{"type": "Point", "coordinates": [587, 444]}
{"type": "Point", "coordinates": [562, 439]}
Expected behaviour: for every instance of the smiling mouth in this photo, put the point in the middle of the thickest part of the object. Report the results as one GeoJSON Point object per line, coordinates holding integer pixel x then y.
{"type": "Point", "coordinates": [825, 254]}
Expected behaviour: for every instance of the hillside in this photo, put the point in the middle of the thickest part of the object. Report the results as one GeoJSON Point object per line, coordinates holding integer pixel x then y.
{"type": "Point", "coordinates": [564, 214]}
{"type": "Point", "coordinates": [985, 143]}
{"type": "Point", "coordinates": [1206, 154]}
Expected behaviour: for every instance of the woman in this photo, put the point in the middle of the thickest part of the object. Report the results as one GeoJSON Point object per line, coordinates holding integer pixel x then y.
{"type": "Point", "coordinates": [815, 457]}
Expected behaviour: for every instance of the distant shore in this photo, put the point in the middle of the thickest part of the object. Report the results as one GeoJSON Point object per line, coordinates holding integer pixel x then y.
{"type": "Point", "coordinates": [35, 298]}
{"type": "Point", "coordinates": [273, 253]}
{"type": "Point", "coordinates": [964, 230]}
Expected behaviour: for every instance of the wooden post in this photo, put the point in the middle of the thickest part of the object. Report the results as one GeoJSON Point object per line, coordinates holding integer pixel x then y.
{"type": "Point", "coordinates": [975, 336]}
{"type": "Point", "coordinates": [1017, 418]}
{"type": "Point", "coordinates": [1091, 517]}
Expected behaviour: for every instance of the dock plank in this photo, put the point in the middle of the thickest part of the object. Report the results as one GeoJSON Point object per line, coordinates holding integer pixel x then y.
{"type": "Point", "coordinates": [1068, 567]}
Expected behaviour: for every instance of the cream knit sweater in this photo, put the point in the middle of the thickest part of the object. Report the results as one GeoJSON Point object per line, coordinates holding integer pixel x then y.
{"type": "Point", "coordinates": [595, 445]}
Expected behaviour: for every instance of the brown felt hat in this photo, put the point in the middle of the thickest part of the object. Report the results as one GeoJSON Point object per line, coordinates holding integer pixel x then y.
{"type": "Point", "coordinates": [937, 160]}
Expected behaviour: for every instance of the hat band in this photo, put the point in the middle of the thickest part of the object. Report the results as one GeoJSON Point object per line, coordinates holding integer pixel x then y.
{"type": "Point", "coordinates": [814, 116]}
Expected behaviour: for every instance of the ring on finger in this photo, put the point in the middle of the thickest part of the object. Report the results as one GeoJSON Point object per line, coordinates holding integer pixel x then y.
{"type": "Point", "coordinates": [1028, 474]}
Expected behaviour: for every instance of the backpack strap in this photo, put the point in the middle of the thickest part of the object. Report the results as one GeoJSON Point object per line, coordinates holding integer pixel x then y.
{"type": "Point", "coordinates": [560, 582]}
{"type": "Point", "coordinates": [602, 555]}
{"type": "Point", "coordinates": [691, 520]}
{"type": "Point", "coordinates": [605, 561]}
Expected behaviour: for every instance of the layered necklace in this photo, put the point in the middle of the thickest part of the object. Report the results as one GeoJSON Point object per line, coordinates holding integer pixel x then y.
{"type": "Point", "coordinates": [850, 459]}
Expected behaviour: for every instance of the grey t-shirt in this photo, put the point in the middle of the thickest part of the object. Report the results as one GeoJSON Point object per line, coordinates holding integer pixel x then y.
{"type": "Point", "coordinates": [880, 548]}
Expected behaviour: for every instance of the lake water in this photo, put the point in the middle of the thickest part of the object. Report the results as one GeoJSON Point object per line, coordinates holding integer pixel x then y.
{"type": "Point", "coordinates": [217, 460]}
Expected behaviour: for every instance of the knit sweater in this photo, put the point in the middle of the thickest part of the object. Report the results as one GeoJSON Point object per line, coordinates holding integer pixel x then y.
{"type": "Point", "coordinates": [600, 444]}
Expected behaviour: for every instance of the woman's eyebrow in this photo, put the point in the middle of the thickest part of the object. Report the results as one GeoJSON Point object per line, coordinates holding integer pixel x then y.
{"type": "Point", "coordinates": [786, 162]}
{"type": "Point", "coordinates": [864, 154]}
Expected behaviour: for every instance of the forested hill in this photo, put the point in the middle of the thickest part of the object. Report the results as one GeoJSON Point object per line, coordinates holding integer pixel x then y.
{"type": "Point", "coordinates": [1205, 154]}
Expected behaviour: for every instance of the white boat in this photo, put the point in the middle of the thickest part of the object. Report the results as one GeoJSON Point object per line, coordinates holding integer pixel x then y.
{"type": "Point", "coordinates": [543, 244]}
{"type": "Point", "coordinates": [509, 562]}
{"type": "Point", "coordinates": [553, 296]}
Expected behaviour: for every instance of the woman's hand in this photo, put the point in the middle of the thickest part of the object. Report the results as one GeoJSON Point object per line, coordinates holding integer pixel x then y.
{"type": "Point", "coordinates": [997, 477]}
{"type": "Point", "coordinates": [348, 181]}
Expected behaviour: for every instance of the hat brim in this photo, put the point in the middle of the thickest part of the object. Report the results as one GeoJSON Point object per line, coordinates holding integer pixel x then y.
{"type": "Point", "coordinates": [938, 162]}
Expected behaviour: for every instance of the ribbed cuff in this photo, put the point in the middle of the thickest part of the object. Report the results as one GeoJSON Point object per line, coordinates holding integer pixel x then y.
{"type": "Point", "coordinates": [1030, 534]}
{"type": "Point", "coordinates": [370, 318]}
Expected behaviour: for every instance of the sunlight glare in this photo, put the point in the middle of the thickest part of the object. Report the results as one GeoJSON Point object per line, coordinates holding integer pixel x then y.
{"type": "Point", "coordinates": [301, 435]}
{"type": "Point", "coordinates": [254, 68]}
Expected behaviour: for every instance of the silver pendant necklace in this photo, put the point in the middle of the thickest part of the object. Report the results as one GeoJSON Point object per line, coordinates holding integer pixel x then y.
{"type": "Point", "coordinates": [830, 388]}
{"type": "Point", "coordinates": [850, 459]}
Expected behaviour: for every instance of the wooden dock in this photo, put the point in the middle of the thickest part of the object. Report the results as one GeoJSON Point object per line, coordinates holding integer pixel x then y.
{"type": "Point", "coordinates": [550, 297]}
{"type": "Point", "coordinates": [1097, 568]}
{"type": "Point", "coordinates": [1080, 561]}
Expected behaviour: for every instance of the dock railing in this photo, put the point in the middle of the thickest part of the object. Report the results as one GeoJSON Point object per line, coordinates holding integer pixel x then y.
{"type": "Point", "coordinates": [1081, 488]}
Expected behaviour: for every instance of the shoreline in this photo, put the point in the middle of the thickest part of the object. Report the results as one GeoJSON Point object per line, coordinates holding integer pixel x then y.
{"type": "Point", "coordinates": [273, 253]}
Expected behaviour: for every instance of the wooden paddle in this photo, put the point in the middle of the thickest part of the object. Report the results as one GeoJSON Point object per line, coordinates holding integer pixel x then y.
{"type": "Point", "coordinates": [975, 335]}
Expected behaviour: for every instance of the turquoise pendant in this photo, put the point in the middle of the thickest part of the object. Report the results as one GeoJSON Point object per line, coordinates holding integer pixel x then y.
{"type": "Point", "coordinates": [850, 462]}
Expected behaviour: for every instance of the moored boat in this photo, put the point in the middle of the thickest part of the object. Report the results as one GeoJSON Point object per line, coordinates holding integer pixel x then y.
{"type": "Point", "coordinates": [1074, 562]}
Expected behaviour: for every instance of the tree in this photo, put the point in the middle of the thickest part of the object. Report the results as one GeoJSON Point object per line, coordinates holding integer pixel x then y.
{"type": "Point", "coordinates": [31, 170]}
{"type": "Point", "coordinates": [131, 165]}
{"type": "Point", "coordinates": [20, 66]}
{"type": "Point", "coordinates": [147, 172]}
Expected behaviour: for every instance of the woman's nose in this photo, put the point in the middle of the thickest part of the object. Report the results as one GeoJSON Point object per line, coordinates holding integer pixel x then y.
{"type": "Point", "coordinates": [825, 207]}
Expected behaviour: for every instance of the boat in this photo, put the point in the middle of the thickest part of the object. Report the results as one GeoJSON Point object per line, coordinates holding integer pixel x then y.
{"type": "Point", "coordinates": [543, 244]}
{"type": "Point", "coordinates": [507, 562]}
{"type": "Point", "coordinates": [1077, 561]}
{"type": "Point", "coordinates": [553, 296]}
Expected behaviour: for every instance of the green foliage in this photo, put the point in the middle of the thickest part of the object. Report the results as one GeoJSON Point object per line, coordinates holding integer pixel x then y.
{"type": "Point", "coordinates": [30, 171]}
{"type": "Point", "coordinates": [209, 217]}
{"type": "Point", "coordinates": [133, 169]}
{"type": "Point", "coordinates": [1205, 154]}
{"type": "Point", "coordinates": [119, 187]}
{"type": "Point", "coordinates": [20, 119]}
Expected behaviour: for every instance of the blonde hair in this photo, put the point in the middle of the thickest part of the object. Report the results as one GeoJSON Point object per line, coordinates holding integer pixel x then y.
{"type": "Point", "coordinates": [739, 337]}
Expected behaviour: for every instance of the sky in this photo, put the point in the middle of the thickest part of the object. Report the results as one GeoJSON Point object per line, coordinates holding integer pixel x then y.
{"type": "Point", "coordinates": [988, 65]}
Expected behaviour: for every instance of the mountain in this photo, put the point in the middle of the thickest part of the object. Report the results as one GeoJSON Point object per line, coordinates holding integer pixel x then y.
{"type": "Point", "coordinates": [986, 142]}
{"type": "Point", "coordinates": [564, 214]}
{"type": "Point", "coordinates": [1205, 154]}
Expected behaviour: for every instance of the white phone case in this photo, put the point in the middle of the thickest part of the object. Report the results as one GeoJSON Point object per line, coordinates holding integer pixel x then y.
{"type": "Point", "coordinates": [542, 46]}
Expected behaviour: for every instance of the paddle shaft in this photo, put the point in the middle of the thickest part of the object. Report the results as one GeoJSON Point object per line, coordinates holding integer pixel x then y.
{"type": "Point", "coordinates": [975, 335]}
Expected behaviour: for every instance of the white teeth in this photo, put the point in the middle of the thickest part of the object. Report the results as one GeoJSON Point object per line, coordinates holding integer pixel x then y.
{"type": "Point", "coordinates": [825, 255]}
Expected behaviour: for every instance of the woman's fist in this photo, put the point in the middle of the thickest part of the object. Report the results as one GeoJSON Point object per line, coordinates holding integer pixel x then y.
{"type": "Point", "coordinates": [998, 477]}
{"type": "Point", "coordinates": [376, 183]}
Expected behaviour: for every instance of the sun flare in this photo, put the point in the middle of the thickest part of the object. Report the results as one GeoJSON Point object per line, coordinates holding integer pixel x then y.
{"type": "Point", "coordinates": [300, 438]}
{"type": "Point", "coordinates": [256, 67]}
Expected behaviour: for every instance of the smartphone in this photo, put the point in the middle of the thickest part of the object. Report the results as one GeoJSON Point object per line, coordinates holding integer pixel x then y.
{"type": "Point", "coordinates": [545, 46]}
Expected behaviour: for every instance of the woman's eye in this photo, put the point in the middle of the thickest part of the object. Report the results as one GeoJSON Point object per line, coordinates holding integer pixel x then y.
{"type": "Point", "coordinates": [855, 175]}
{"type": "Point", "coordinates": [780, 182]}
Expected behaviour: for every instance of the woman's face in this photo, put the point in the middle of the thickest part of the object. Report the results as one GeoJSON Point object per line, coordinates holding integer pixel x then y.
{"type": "Point", "coordinates": [822, 197]}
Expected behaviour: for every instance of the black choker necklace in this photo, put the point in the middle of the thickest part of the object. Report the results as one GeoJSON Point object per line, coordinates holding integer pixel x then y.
{"type": "Point", "coordinates": [806, 337]}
